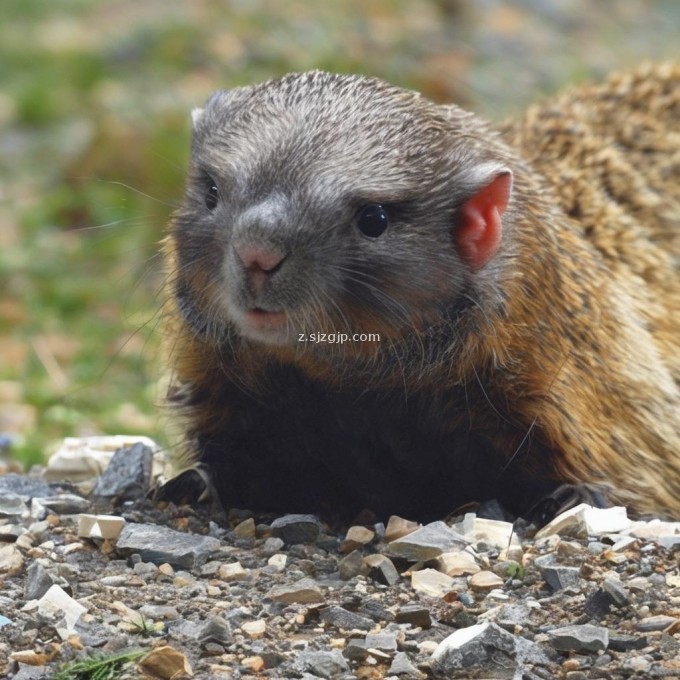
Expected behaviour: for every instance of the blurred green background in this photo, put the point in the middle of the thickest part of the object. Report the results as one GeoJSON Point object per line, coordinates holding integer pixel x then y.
{"type": "Point", "coordinates": [94, 104]}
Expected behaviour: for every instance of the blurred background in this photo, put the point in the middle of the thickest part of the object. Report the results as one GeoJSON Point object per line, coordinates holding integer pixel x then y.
{"type": "Point", "coordinates": [95, 98]}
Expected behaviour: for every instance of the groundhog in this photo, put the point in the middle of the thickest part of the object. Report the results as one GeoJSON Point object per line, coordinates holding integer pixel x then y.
{"type": "Point", "coordinates": [378, 302]}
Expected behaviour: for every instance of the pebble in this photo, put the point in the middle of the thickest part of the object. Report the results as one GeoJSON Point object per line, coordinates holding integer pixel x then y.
{"type": "Point", "coordinates": [415, 614]}
{"type": "Point", "coordinates": [304, 591]}
{"type": "Point", "coordinates": [351, 565]}
{"type": "Point", "coordinates": [338, 617]}
{"type": "Point", "coordinates": [232, 572]}
{"type": "Point", "coordinates": [583, 639]}
{"type": "Point", "coordinates": [382, 569]}
{"type": "Point", "coordinates": [160, 545]}
{"type": "Point", "coordinates": [398, 527]}
{"type": "Point", "coordinates": [485, 580]}
{"type": "Point", "coordinates": [556, 575]}
{"type": "Point", "coordinates": [458, 563]}
{"type": "Point", "coordinates": [428, 542]}
{"type": "Point", "coordinates": [254, 629]}
{"type": "Point", "coordinates": [294, 529]}
{"type": "Point", "coordinates": [357, 537]}
{"type": "Point", "coordinates": [431, 582]}
{"type": "Point", "coordinates": [128, 474]}
{"type": "Point", "coordinates": [402, 667]}
{"type": "Point", "coordinates": [652, 623]}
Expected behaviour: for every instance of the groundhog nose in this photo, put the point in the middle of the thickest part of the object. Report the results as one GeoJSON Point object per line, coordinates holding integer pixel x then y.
{"type": "Point", "coordinates": [259, 259]}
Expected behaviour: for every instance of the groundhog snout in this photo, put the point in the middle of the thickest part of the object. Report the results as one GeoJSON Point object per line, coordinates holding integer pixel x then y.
{"type": "Point", "coordinates": [258, 264]}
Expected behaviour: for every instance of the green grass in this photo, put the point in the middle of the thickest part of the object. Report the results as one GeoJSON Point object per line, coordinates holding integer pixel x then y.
{"type": "Point", "coordinates": [98, 667]}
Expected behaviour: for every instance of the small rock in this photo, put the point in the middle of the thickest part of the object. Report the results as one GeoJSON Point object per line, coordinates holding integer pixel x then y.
{"type": "Point", "coordinates": [351, 565]}
{"type": "Point", "coordinates": [459, 563]}
{"type": "Point", "coordinates": [294, 529]}
{"type": "Point", "coordinates": [272, 545]}
{"type": "Point", "coordinates": [583, 639]}
{"type": "Point", "coordinates": [338, 617]}
{"type": "Point", "coordinates": [651, 623]}
{"type": "Point", "coordinates": [13, 485]}
{"type": "Point", "coordinates": [488, 649]}
{"type": "Point", "coordinates": [402, 667]}
{"type": "Point", "coordinates": [556, 575]}
{"type": "Point", "coordinates": [216, 629]}
{"type": "Point", "coordinates": [397, 527]}
{"type": "Point", "coordinates": [584, 520]}
{"type": "Point", "coordinates": [415, 614]}
{"type": "Point", "coordinates": [614, 588]}
{"type": "Point", "coordinates": [382, 569]}
{"type": "Point", "coordinates": [304, 591]}
{"type": "Point", "coordinates": [491, 533]}
{"type": "Point", "coordinates": [39, 580]}
{"type": "Point", "coordinates": [356, 650]}
{"type": "Point", "coordinates": [128, 475]}
{"type": "Point", "coordinates": [246, 528]}
{"type": "Point", "coordinates": [385, 642]}
{"type": "Point", "coordinates": [11, 504]}
{"type": "Point", "coordinates": [666, 534]}
{"type": "Point", "coordinates": [277, 563]}
{"type": "Point", "coordinates": [56, 602]}
{"type": "Point", "coordinates": [428, 542]}
{"type": "Point", "coordinates": [165, 663]}
{"type": "Point", "coordinates": [232, 572]}
{"type": "Point", "coordinates": [63, 504]}
{"type": "Point", "coordinates": [11, 560]}
{"type": "Point", "coordinates": [357, 537]}
{"type": "Point", "coordinates": [100, 526]}
{"type": "Point", "coordinates": [485, 580]}
{"type": "Point", "coordinates": [431, 582]}
{"type": "Point", "coordinates": [598, 604]}
{"type": "Point", "coordinates": [254, 629]}
{"type": "Point", "coordinates": [160, 545]}
{"type": "Point", "coordinates": [619, 642]}
{"type": "Point", "coordinates": [254, 663]}
{"type": "Point", "coordinates": [321, 664]}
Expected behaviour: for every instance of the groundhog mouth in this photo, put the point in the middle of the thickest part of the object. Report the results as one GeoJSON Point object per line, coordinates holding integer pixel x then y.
{"type": "Point", "coordinates": [261, 319]}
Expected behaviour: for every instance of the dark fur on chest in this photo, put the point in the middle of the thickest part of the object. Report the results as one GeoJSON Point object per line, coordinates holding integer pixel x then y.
{"type": "Point", "coordinates": [303, 448]}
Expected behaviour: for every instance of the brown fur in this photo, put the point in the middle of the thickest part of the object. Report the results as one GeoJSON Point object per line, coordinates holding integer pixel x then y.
{"type": "Point", "coordinates": [582, 358]}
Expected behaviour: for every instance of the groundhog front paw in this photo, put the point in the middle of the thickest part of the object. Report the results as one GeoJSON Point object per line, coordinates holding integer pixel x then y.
{"type": "Point", "coordinates": [564, 498]}
{"type": "Point", "coordinates": [190, 487]}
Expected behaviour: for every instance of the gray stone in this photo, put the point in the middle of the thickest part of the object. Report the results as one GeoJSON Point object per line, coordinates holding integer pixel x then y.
{"type": "Point", "coordinates": [415, 614]}
{"type": "Point", "coordinates": [11, 504]}
{"type": "Point", "coordinates": [598, 604]}
{"type": "Point", "coordinates": [618, 642]}
{"type": "Point", "coordinates": [128, 475]}
{"type": "Point", "coordinates": [342, 618]}
{"type": "Point", "coordinates": [28, 487]}
{"type": "Point", "coordinates": [382, 570]}
{"type": "Point", "coordinates": [159, 544]}
{"type": "Point", "coordinates": [488, 649]}
{"type": "Point", "coordinates": [356, 650]}
{"type": "Point", "coordinates": [428, 542]}
{"type": "Point", "coordinates": [63, 504]}
{"type": "Point", "coordinates": [351, 565]}
{"type": "Point", "coordinates": [39, 580]}
{"type": "Point", "coordinates": [614, 588]}
{"type": "Point", "coordinates": [402, 667]}
{"type": "Point", "coordinates": [329, 665]}
{"type": "Point", "coordinates": [216, 629]}
{"type": "Point", "coordinates": [651, 623]}
{"type": "Point", "coordinates": [383, 642]}
{"type": "Point", "coordinates": [272, 545]}
{"type": "Point", "coordinates": [293, 529]}
{"type": "Point", "coordinates": [304, 591]}
{"type": "Point", "coordinates": [556, 575]}
{"type": "Point", "coordinates": [585, 639]}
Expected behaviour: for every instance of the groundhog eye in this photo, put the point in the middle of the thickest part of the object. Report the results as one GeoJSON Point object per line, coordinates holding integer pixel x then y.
{"type": "Point", "coordinates": [372, 220]}
{"type": "Point", "coordinates": [211, 195]}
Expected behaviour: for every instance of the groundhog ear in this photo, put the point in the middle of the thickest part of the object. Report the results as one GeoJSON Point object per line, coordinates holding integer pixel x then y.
{"type": "Point", "coordinates": [196, 115]}
{"type": "Point", "coordinates": [479, 231]}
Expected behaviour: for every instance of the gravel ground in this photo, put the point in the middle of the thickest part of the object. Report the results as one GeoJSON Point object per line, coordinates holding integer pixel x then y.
{"type": "Point", "coordinates": [593, 595]}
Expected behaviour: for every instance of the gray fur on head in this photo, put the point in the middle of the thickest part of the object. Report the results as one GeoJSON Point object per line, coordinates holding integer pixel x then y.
{"type": "Point", "coordinates": [294, 160]}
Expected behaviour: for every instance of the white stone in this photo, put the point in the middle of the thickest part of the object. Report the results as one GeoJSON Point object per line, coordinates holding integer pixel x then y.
{"type": "Point", "coordinates": [431, 582]}
{"type": "Point", "coordinates": [55, 602]}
